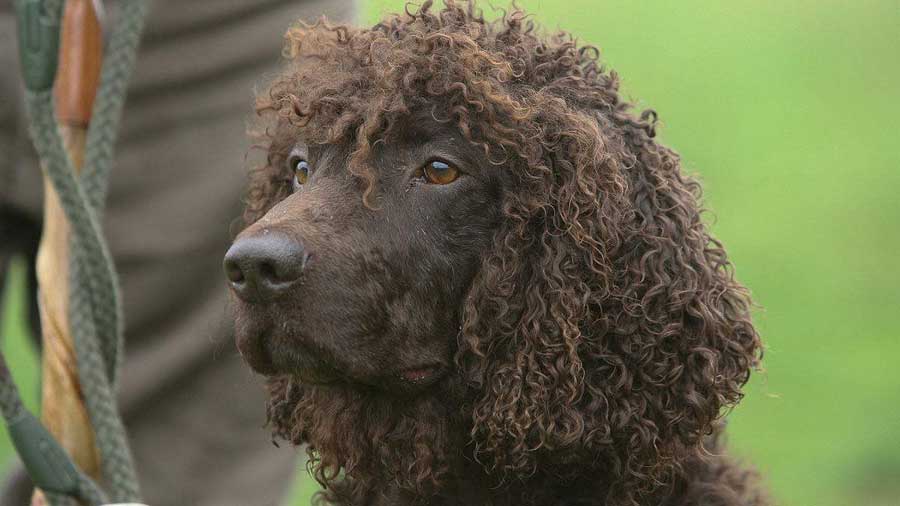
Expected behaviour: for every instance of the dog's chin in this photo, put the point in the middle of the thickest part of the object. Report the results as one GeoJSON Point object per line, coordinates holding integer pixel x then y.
{"type": "Point", "coordinates": [305, 368]}
{"type": "Point", "coordinates": [272, 355]}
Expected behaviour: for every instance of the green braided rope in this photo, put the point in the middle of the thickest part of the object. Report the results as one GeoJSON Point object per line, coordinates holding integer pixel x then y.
{"type": "Point", "coordinates": [107, 113]}
{"type": "Point", "coordinates": [14, 412]}
{"type": "Point", "coordinates": [10, 403]}
{"type": "Point", "coordinates": [118, 62]}
{"type": "Point", "coordinates": [94, 302]}
{"type": "Point", "coordinates": [95, 313]}
{"type": "Point", "coordinates": [57, 499]}
{"type": "Point", "coordinates": [88, 493]}
{"type": "Point", "coordinates": [12, 408]}
{"type": "Point", "coordinates": [92, 282]}
{"type": "Point", "coordinates": [96, 319]}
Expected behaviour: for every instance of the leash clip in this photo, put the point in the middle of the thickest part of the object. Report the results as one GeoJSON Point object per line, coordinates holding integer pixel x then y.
{"type": "Point", "coordinates": [38, 23]}
{"type": "Point", "coordinates": [44, 459]}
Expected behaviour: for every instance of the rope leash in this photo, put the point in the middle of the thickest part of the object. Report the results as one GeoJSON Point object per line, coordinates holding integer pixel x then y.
{"type": "Point", "coordinates": [95, 304]}
{"type": "Point", "coordinates": [47, 462]}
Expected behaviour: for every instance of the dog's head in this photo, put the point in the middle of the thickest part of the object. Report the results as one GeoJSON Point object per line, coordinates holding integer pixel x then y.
{"type": "Point", "coordinates": [463, 236]}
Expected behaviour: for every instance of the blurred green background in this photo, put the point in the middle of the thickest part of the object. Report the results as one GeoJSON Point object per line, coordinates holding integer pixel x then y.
{"type": "Point", "coordinates": [789, 111]}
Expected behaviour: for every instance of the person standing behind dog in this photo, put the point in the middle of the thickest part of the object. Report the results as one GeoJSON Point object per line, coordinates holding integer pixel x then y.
{"type": "Point", "coordinates": [194, 412]}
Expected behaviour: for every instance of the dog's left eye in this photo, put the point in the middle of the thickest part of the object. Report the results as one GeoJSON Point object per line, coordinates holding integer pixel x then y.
{"type": "Point", "coordinates": [300, 169]}
{"type": "Point", "coordinates": [439, 172]}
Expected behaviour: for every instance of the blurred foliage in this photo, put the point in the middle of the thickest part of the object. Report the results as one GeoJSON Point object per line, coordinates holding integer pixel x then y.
{"type": "Point", "coordinates": [789, 111]}
{"type": "Point", "coordinates": [17, 347]}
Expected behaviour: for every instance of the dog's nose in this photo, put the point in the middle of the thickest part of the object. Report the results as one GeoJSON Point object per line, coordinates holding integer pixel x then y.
{"type": "Point", "coordinates": [263, 267]}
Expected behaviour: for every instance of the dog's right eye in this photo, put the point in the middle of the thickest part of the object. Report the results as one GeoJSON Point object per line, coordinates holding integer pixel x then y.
{"type": "Point", "coordinates": [300, 170]}
{"type": "Point", "coordinates": [440, 172]}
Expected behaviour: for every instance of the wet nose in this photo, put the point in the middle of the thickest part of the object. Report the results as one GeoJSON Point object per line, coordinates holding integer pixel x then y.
{"type": "Point", "coordinates": [263, 267]}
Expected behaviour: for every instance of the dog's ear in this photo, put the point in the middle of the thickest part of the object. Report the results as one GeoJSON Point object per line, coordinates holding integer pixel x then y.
{"type": "Point", "coordinates": [605, 328]}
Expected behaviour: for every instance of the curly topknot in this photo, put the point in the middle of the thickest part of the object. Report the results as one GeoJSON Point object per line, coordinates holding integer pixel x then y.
{"type": "Point", "coordinates": [604, 333]}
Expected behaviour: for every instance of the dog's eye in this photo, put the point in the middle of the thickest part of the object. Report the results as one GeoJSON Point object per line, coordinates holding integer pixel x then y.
{"type": "Point", "coordinates": [300, 169]}
{"type": "Point", "coordinates": [438, 172]}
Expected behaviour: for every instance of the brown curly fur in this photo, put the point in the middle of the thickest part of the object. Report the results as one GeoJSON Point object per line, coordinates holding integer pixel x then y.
{"type": "Point", "coordinates": [603, 335]}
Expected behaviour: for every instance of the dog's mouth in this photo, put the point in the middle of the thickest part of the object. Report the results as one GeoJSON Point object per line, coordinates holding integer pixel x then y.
{"type": "Point", "coordinates": [270, 355]}
{"type": "Point", "coordinates": [422, 375]}
{"type": "Point", "coordinates": [418, 379]}
{"type": "Point", "coordinates": [256, 354]}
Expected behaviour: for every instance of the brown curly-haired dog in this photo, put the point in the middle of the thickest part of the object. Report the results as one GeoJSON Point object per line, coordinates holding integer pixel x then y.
{"type": "Point", "coordinates": [473, 276]}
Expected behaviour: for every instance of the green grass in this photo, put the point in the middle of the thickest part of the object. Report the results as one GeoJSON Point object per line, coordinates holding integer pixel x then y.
{"type": "Point", "coordinates": [17, 348]}
{"type": "Point", "coordinates": [790, 112]}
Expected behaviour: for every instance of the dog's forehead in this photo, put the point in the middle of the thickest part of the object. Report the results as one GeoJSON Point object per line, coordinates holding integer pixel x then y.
{"type": "Point", "coordinates": [424, 125]}
{"type": "Point", "coordinates": [408, 135]}
{"type": "Point", "coordinates": [420, 131]}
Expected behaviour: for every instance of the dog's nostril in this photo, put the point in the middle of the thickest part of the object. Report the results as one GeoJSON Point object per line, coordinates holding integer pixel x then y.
{"type": "Point", "coordinates": [233, 272]}
{"type": "Point", "coordinates": [262, 267]}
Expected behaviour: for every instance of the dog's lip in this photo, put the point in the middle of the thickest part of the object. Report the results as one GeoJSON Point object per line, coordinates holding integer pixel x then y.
{"type": "Point", "coordinates": [422, 375]}
{"type": "Point", "coordinates": [258, 351]}
{"type": "Point", "coordinates": [256, 354]}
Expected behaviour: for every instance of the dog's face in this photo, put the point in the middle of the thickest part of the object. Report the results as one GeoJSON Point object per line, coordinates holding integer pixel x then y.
{"type": "Point", "coordinates": [335, 287]}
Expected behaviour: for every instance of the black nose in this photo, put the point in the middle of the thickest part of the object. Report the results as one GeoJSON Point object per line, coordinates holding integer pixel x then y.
{"type": "Point", "coordinates": [263, 267]}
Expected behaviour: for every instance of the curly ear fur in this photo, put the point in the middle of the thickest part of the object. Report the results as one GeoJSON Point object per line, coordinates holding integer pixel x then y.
{"type": "Point", "coordinates": [605, 328]}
